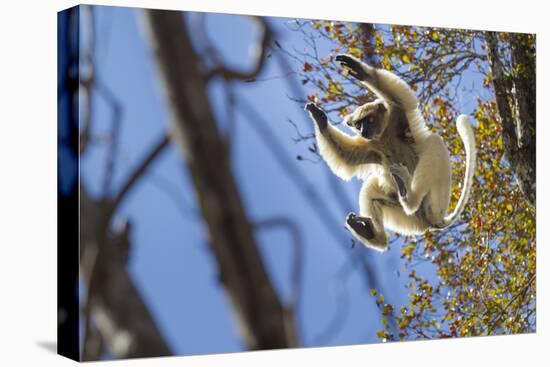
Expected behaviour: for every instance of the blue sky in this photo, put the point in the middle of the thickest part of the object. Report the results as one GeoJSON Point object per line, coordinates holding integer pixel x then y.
{"type": "Point", "coordinates": [170, 260]}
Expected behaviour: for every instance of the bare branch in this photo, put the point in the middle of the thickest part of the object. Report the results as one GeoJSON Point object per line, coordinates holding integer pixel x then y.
{"type": "Point", "coordinates": [296, 273]}
{"type": "Point", "coordinates": [263, 320]}
{"type": "Point", "coordinates": [171, 190]}
{"type": "Point", "coordinates": [87, 77]}
{"type": "Point", "coordinates": [298, 247]}
{"type": "Point", "coordinates": [146, 162]}
{"type": "Point", "coordinates": [125, 327]}
{"type": "Point", "coordinates": [228, 74]}
{"type": "Point", "coordinates": [116, 124]}
{"type": "Point", "coordinates": [113, 301]}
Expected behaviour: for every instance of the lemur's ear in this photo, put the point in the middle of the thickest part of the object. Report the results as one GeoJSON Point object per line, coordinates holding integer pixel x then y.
{"type": "Point", "coordinates": [381, 108]}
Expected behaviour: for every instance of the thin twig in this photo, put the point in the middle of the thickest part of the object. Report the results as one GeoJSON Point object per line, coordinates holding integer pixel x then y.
{"type": "Point", "coordinates": [146, 162]}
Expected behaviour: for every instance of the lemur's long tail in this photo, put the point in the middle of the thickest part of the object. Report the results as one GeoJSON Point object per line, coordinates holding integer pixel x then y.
{"type": "Point", "coordinates": [466, 132]}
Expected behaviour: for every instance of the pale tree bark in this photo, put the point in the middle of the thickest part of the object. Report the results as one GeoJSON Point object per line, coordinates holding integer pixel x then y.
{"type": "Point", "coordinates": [264, 322]}
{"type": "Point", "coordinates": [515, 91]}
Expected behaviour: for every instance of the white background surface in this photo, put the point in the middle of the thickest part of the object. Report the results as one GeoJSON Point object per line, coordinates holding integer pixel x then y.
{"type": "Point", "coordinates": [28, 183]}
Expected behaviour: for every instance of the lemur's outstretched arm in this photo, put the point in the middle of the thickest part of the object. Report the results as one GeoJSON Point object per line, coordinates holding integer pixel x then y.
{"type": "Point", "coordinates": [383, 83]}
{"type": "Point", "coordinates": [344, 154]}
{"type": "Point", "coordinates": [417, 199]}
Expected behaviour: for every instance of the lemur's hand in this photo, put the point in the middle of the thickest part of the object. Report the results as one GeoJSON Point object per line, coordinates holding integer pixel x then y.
{"type": "Point", "coordinates": [318, 115]}
{"type": "Point", "coordinates": [355, 66]}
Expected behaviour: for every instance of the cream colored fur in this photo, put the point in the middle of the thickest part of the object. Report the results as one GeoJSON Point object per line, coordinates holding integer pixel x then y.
{"type": "Point", "coordinates": [430, 183]}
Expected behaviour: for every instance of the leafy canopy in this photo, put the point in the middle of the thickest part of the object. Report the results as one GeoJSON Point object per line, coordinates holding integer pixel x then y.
{"type": "Point", "coordinates": [485, 264]}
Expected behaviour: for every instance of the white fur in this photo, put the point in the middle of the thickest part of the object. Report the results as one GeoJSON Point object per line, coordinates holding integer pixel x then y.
{"type": "Point", "coordinates": [430, 182]}
{"type": "Point", "coordinates": [467, 135]}
{"type": "Point", "coordinates": [354, 145]}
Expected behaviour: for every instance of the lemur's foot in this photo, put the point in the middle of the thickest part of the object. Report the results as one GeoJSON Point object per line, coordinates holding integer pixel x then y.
{"type": "Point", "coordinates": [317, 114]}
{"type": "Point", "coordinates": [359, 226]}
{"type": "Point", "coordinates": [401, 177]}
{"type": "Point", "coordinates": [355, 66]}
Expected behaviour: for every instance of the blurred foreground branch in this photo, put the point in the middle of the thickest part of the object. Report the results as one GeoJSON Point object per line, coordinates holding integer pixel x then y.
{"type": "Point", "coordinates": [114, 305]}
{"type": "Point", "coordinates": [261, 51]}
{"type": "Point", "coordinates": [261, 315]}
{"type": "Point", "coordinates": [115, 317]}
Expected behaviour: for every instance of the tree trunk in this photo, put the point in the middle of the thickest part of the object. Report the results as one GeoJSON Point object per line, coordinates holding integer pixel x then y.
{"type": "Point", "coordinates": [515, 92]}
{"type": "Point", "coordinates": [120, 319]}
{"type": "Point", "coordinates": [263, 320]}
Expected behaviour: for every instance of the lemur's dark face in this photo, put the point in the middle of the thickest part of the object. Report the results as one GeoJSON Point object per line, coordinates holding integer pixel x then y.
{"type": "Point", "coordinates": [368, 120]}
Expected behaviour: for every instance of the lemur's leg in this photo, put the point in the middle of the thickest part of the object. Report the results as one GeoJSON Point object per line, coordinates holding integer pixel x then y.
{"type": "Point", "coordinates": [343, 153]}
{"type": "Point", "coordinates": [401, 177]}
{"type": "Point", "coordinates": [431, 182]}
{"type": "Point", "coordinates": [430, 177]}
{"type": "Point", "coordinates": [383, 83]}
{"type": "Point", "coordinates": [368, 227]}
{"type": "Point", "coordinates": [411, 198]}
